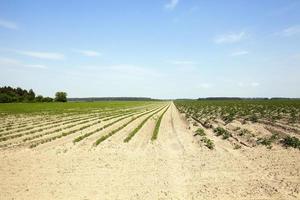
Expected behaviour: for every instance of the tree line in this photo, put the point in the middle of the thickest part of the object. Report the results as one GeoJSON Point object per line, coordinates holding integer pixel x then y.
{"type": "Point", "coordinates": [9, 95]}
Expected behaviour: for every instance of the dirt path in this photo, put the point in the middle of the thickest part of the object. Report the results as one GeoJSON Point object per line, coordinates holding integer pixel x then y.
{"type": "Point", "coordinates": [175, 166]}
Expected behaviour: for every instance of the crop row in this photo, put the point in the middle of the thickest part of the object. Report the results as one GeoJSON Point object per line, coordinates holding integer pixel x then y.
{"type": "Point", "coordinates": [101, 128]}
{"type": "Point", "coordinates": [56, 123]}
{"type": "Point", "coordinates": [287, 112]}
{"type": "Point", "coordinates": [132, 133]}
{"type": "Point", "coordinates": [80, 129]}
{"type": "Point", "coordinates": [157, 125]}
{"type": "Point", "coordinates": [210, 112]}
{"type": "Point", "coordinates": [101, 139]}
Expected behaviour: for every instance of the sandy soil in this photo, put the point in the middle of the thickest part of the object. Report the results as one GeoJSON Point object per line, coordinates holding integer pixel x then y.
{"type": "Point", "coordinates": [176, 166]}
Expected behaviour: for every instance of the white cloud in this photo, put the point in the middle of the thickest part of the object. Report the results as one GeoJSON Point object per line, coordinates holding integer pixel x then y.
{"type": "Point", "coordinates": [36, 66]}
{"type": "Point", "coordinates": [172, 4]}
{"type": "Point", "coordinates": [43, 55]}
{"type": "Point", "coordinates": [89, 53]}
{"type": "Point", "coordinates": [8, 24]}
{"type": "Point", "coordinates": [230, 38]}
{"type": "Point", "coordinates": [239, 53]}
{"type": "Point", "coordinates": [9, 62]}
{"type": "Point", "coordinates": [291, 31]}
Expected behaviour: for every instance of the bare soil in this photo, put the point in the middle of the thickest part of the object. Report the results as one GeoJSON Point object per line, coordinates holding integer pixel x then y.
{"type": "Point", "coordinates": [175, 166]}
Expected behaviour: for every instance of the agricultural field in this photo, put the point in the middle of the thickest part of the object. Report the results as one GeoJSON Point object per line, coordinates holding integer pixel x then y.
{"type": "Point", "coordinates": [150, 150]}
{"type": "Point", "coordinates": [248, 122]}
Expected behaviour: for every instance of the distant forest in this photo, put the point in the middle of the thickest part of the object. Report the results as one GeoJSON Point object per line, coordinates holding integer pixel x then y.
{"type": "Point", "coordinates": [9, 95]}
{"type": "Point", "coordinates": [112, 99]}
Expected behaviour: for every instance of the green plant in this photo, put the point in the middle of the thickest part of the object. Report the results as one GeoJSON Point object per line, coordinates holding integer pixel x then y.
{"type": "Point", "coordinates": [267, 141]}
{"type": "Point", "coordinates": [226, 135]}
{"type": "Point", "coordinates": [101, 139]}
{"type": "Point", "coordinates": [289, 141]}
{"type": "Point", "coordinates": [221, 131]}
{"type": "Point", "coordinates": [200, 132]}
{"type": "Point", "coordinates": [264, 141]}
{"type": "Point", "coordinates": [208, 142]}
{"type": "Point", "coordinates": [253, 118]}
{"type": "Point", "coordinates": [157, 125]}
{"type": "Point", "coordinates": [132, 133]}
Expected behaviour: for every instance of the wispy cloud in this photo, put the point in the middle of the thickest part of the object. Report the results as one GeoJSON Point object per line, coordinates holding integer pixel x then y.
{"type": "Point", "coordinates": [9, 62]}
{"type": "Point", "coordinates": [291, 31]}
{"type": "Point", "coordinates": [171, 4]}
{"type": "Point", "coordinates": [230, 38]}
{"type": "Point", "coordinates": [89, 53]}
{"type": "Point", "coordinates": [42, 55]}
{"type": "Point", "coordinates": [8, 24]}
{"type": "Point", "coordinates": [239, 53]}
{"type": "Point", "coordinates": [36, 66]}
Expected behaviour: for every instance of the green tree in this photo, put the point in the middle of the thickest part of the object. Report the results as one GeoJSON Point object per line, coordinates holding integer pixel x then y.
{"type": "Point", "coordinates": [31, 95]}
{"type": "Point", "coordinates": [61, 96]}
{"type": "Point", "coordinates": [5, 98]}
{"type": "Point", "coordinates": [47, 99]}
{"type": "Point", "coordinates": [39, 98]}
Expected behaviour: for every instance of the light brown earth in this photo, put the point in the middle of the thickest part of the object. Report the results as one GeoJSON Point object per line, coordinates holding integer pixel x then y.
{"type": "Point", "coordinates": [175, 166]}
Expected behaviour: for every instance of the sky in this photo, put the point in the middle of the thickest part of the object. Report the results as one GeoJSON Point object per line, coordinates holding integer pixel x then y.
{"type": "Point", "coordinates": [158, 48]}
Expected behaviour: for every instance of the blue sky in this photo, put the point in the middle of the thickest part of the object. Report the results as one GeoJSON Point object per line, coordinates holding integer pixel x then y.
{"type": "Point", "coordinates": [157, 48]}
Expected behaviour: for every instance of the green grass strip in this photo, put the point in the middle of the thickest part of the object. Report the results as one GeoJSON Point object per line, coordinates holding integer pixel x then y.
{"type": "Point", "coordinates": [104, 137]}
{"type": "Point", "coordinates": [131, 134]}
{"type": "Point", "coordinates": [157, 125]}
